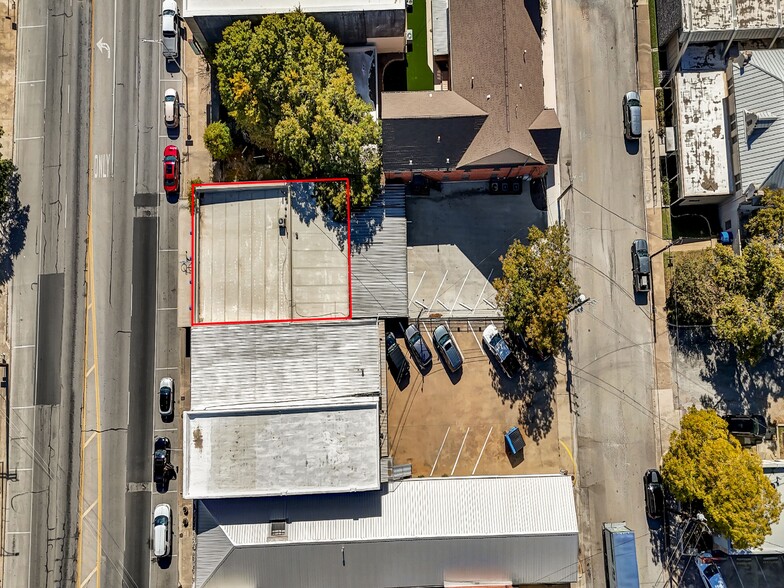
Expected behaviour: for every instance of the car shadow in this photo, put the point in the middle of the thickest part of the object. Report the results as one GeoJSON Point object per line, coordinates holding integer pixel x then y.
{"type": "Point", "coordinates": [173, 133]}
{"type": "Point", "coordinates": [632, 146]}
{"type": "Point", "coordinates": [165, 562]}
{"type": "Point", "coordinates": [168, 418]}
{"type": "Point", "coordinates": [172, 197]}
{"type": "Point", "coordinates": [454, 377]}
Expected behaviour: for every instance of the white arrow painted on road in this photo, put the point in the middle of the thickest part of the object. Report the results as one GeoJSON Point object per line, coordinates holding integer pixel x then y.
{"type": "Point", "coordinates": [101, 46]}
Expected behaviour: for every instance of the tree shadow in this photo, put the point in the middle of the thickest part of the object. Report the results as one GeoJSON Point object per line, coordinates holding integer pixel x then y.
{"type": "Point", "coordinates": [738, 387]}
{"type": "Point", "coordinates": [13, 221]}
{"type": "Point", "coordinates": [532, 386]}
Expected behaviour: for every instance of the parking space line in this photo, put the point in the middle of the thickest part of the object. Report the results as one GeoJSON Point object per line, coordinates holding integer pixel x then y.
{"type": "Point", "coordinates": [459, 452]}
{"type": "Point", "coordinates": [476, 465]}
{"type": "Point", "coordinates": [167, 308]}
{"type": "Point", "coordinates": [17, 532]}
{"type": "Point", "coordinates": [23, 407]}
{"type": "Point", "coordinates": [437, 291]}
{"type": "Point", "coordinates": [167, 368]}
{"type": "Point", "coordinates": [166, 430]}
{"type": "Point", "coordinates": [417, 288]}
{"type": "Point", "coordinates": [23, 346]}
{"type": "Point", "coordinates": [439, 452]}
{"type": "Point", "coordinates": [459, 292]}
{"type": "Point", "coordinates": [470, 326]}
{"type": "Point", "coordinates": [429, 336]}
{"type": "Point", "coordinates": [482, 293]}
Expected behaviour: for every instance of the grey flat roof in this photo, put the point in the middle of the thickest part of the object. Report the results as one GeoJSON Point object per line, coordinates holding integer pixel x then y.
{"type": "Point", "coordinates": [304, 450]}
{"type": "Point", "coordinates": [721, 15]}
{"type": "Point", "coordinates": [418, 532]}
{"type": "Point", "coordinates": [703, 147]}
{"type": "Point", "coordinates": [379, 257]}
{"type": "Point", "coordinates": [246, 268]}
{"type": "Point", "coordinates": [265, 365]}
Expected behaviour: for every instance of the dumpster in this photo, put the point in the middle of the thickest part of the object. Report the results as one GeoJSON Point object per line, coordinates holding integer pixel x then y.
{"type": "Point", "coordinates": [514, 441]}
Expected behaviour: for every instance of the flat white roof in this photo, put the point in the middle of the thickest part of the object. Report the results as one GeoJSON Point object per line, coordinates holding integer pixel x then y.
{"type": "Point", "coordinates": [253, 7]}
{"type": "Point", "coordinates": [703, 147]}
{"type": "Point", "coordinates": [275, 452]}
{"type": "Point", "coordinates": [774, 470]}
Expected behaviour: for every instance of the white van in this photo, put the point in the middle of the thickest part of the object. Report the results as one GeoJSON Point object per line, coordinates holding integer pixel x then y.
{"type": "Point", "coordinates": [170, 29]}
{"type": "Point", "coordinates": [161, 531]}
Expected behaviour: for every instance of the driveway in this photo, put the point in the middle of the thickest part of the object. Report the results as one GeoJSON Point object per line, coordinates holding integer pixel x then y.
{"type": "Point", "coordinates": [454, 242]}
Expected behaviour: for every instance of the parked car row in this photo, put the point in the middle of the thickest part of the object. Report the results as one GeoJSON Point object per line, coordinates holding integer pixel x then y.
{"type": "Point", "coordinates": [162, 472]}
{"type": "Point", "coordinates": [447, 348]}
{"type": "Point", "coordinates": [170, 41]}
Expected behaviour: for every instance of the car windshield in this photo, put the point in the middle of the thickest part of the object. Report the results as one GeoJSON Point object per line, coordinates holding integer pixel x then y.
{"type": "Point", "coordinates": [169, 98]}
{"type": "Point", "coordinates": [495, 340]}
{"type": "Point", "coordinates": [161, 520]}
{"type": "Point", "coordinates": [415, 338]}
{"type": "Point", "coordinates": [633, 102]}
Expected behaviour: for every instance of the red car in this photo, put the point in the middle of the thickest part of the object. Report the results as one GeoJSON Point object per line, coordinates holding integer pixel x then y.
{"type": "Point", "coordinates": [171, 169]}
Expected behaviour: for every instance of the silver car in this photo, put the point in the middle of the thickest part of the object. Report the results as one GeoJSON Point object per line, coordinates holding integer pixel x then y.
{"type": "Point", "coordinates": [442, 339]}
{"type": "Point", "coordinates": [632, 116]}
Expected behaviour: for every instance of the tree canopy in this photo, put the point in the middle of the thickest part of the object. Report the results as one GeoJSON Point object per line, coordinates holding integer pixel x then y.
{"type": "Point", "coordinates": [707, 466]}
{"type": "Point", "coordinates": [13, 216]}
{"type": "Point", "coordinates": [537, 288]}
{"type": "Point", "coordinates": [217, 140]}
{"type": "Point", "coordinates": [769, 220]}
{"type": "Point", "coordinates": [741, 296]}
{"type": "Point", "coordinates": [286, 84]}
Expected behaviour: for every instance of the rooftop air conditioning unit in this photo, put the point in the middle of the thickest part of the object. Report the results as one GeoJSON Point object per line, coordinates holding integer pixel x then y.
{"type": "Point", "coordinates": [409, 36]}
{"type": "Point", "coordinates": [409, 3]}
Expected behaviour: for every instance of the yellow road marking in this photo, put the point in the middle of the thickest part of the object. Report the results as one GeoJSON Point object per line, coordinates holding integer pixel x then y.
{"type": "Point", "coordinates": [569, 453]}
{"type": "Point", "coordinates": [89, 309]}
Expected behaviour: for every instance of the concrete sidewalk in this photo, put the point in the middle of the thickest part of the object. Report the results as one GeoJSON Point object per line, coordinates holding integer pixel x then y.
{"type": "Point", "coordinates": [7, 101]}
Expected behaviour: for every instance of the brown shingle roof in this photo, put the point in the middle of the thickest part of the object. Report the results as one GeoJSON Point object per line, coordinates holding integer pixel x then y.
{"type": "Point", "coordinates": [431, 104]}
{"type": "Point", "coordinates": [496, 64]}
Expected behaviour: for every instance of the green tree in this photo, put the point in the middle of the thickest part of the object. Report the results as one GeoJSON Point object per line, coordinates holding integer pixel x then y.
{"type": "Point", "coordinates": [741, 296]}
{"type": "Point", "coordinates": [217, 140]}
{"type": "Point", "coordinates": [769, 221]}
{"type": "Point", "coordinates": [537, 288]}
{"type": "Point", "coordinates": [706, 466]}
{"type": "Point", "coordinates": [286, 84]}
{"type": "Point", "coordinates": [13, 216]}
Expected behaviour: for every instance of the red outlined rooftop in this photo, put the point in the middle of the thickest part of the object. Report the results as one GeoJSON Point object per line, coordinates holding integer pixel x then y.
{"type": "Point", "coordinates": [266, 252]}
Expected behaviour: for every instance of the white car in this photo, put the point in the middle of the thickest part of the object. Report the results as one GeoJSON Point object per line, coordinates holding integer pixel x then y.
{"type": "Point", "coordinates": [161, 531]}
{"type": "Point", "coordinates": [171, 108]}
{"type": "Point", "coordinates": [166, 398]}
{"type": "Point", "coordinates": [496, 344]}
{"type": "Point", "coordinates": [170, 29]}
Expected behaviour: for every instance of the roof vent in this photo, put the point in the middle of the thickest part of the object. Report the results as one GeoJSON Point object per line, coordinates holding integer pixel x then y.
{"type": "Point", "coordinates": [278, 530]}
{"type": "Point", "coordinates": [758, 121]}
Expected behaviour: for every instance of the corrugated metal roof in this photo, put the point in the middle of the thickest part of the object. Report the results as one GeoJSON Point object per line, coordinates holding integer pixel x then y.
{"type": "Point", "coordinates": [379, 262]}
{"type": "Point", "coordinates": [256, 365]}
{"type": "Point", "coordinates": [759, 87]}
{"type": "Point", "coordinates": [414, 532]}
{"type": "Point", "coordinates": [216, 546]}
{"type": "Point", "coordinates": [440, 21]}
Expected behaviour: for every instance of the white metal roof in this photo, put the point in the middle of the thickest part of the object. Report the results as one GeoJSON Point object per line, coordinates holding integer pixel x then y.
{"type": "Point", "coordinates": [759, 87]}
{"type": "Point", "coordinates": [263, 365]}
{"type": "Point", "coordinates": [254, 7]}
{"type": "Point", "coordinates": [774, 470]}
{"type": "Point", "coordinates": [282, 451]}
{"type": "Point", "coordinates": [703, 147]}
{"type": "Point", "coordinates": [415, 532]}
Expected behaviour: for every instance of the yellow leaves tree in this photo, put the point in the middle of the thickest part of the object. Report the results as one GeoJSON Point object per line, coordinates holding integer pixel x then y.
{"type": "Point", "coordinates": [537, 288]}
{"type": "Point", "coordinates": [707, 466]}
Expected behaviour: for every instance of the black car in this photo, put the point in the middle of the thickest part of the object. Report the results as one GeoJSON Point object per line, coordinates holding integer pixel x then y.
{"type": "Point", "coordinates": [654, 494]}
{"type": "Point", "coordinates": [748, 429]}
{"type": "Point", "coordinates": [161, 461]}
{"type": "Point", "coordinates": [418, 347]}
{"type": "Point", "coordinates": [397, 361]}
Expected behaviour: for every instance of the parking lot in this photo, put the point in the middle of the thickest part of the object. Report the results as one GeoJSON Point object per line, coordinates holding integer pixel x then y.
{"type": "Point", "coordinates": [448, 424]}
{"type": "Point", "coordinates": [454, 242]}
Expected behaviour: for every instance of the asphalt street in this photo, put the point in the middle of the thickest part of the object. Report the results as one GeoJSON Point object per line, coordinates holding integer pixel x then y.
{"type": "Point", "coordinates": [91, 344]}
{"type": "Point", "coordinates": [611, 366]}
